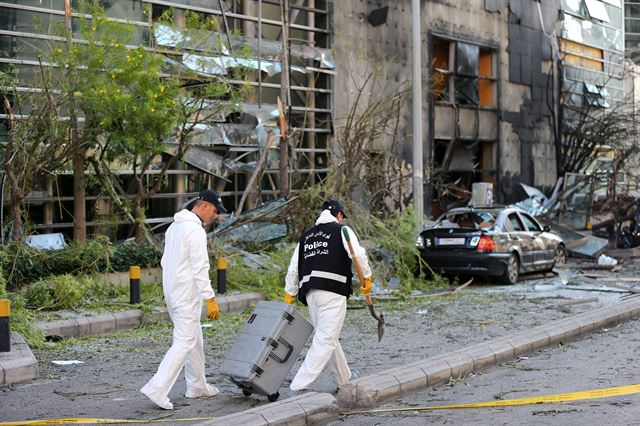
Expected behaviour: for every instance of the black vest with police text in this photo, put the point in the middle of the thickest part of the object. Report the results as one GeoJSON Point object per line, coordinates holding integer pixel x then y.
{"type": "Point", "coordinates": [323, 263]}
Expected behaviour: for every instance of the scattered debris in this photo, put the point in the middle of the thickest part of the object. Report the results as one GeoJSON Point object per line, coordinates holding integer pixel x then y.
{"type": "Point", "coordinates": [46, 241]}
{"type": "Point", "coordinates": [67, 362]}
{"type": "Point", "coordinates": [603, 259]}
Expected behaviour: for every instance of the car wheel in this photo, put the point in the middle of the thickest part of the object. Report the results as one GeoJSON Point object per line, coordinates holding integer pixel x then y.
{"type": "Point", "coordinates": [561, 255]}
{"type": "Point", "coordinates": [512, 271]}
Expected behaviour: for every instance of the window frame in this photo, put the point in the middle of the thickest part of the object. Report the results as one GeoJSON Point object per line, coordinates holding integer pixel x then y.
{"type": "Point", "coordinates": [485, 83]}
{"type": "Point", "coordinates": [517, 217]}
{"type": "Point", "coordinates": [526, 217]}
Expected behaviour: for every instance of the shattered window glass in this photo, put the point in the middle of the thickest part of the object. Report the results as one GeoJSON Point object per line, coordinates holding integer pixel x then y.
{"type": "Point", "coordinates": [473, 220]}
{"type": "Point", "coordinates": [595, 95]}
{"type": "Point", "coordinates": [466, 91]}
{"type": "Point", "coordinates": [591, 33]}
{"type": "Point", "coordinates": [464, 72]}
{"type": "Point", "coordinates": [572, 28]}
{"type": "Point", "coordinates": [467, 56]}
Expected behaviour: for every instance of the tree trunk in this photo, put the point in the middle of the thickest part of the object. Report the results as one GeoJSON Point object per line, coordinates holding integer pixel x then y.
{"type": "Point", "coordinates": [16, 213]}
{"type": "Point", "coordinates": [138, 214]}
{"type": "Point", "coordinates": [79, 198]}
{"type": "Point", "coordinates": [284, 91]}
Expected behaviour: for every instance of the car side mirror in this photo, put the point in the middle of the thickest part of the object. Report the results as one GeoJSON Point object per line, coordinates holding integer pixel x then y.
{"type": "Point", "coordinates": [546, 228]}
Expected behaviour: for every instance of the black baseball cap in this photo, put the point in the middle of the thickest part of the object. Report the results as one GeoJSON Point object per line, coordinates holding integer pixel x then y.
{"type": "Point", "coordinates": [214, 198]}
{"type": "Point", "coordinates": [334, 206]}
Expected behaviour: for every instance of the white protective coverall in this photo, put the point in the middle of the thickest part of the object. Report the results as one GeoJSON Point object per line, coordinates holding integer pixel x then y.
{"type": "Point", "coordinates": [185, 283]}
{"type": "Point", "coordinates": [327, 310]}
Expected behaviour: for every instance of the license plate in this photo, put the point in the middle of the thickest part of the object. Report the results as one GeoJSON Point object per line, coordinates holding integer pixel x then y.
{"type": "Point", "coordinates": [450, 241]}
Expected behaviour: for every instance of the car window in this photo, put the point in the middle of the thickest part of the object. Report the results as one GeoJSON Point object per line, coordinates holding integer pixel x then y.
{"type": "Point", "coordinates": [531, 223]}
{"type": "Point", "coordinates": [515, 221]}
{"type": "Point", "coordinates": [473, 220]}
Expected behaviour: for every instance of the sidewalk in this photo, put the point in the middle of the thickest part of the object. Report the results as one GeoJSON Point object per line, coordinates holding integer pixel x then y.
{"type": "Point", "coordinates": [391, 384]}
{"type": "Point", "coordinates": [20, 365]}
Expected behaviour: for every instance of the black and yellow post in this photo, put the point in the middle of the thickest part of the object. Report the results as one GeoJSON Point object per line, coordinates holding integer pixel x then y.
{"type": "Point", "coordinates": [5, 326]}
{"type": "Point", "coordinates": [221, 266]}
{"type": "Point", "coordinates": [134, 285]}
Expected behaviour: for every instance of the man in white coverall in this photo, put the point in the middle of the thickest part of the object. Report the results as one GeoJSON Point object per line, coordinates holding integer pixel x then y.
{"type": "Point", "coordinates": [320, 276]}
{"type": "Point", "coordinates": [185, 283]}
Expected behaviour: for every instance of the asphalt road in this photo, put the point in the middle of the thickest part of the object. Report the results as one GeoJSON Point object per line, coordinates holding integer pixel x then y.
{"type": "Point", "coordinates": [609, 358]}
{"type": "Point", "coordinates": [115, 366]}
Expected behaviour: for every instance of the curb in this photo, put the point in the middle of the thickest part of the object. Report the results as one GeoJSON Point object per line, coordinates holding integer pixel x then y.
{"type": "Point", "coordinates": [309, 408]}
{"type": "Point", "coordinates": [110, 322]}
{"type": "Point", "coordinates": [367, 392]}
{"type": "Point", "coordinates": [18, 365]}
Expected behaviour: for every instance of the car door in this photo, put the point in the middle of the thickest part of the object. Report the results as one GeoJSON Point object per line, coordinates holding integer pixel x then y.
{"type": "Point", "coordinates": [520, 237]}
{"type": "Point", "coordinates": [542, 253]}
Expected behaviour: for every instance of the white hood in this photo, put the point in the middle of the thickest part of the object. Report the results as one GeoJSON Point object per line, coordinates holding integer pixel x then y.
{"type": "Point", "coordinates": [186, 216]}
{"type": "Point", "coordinates": [325, 217]}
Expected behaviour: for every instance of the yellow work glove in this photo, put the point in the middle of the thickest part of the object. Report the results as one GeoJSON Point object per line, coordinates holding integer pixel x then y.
{"type": "Point", "coordinates": [289, 298]}
{"type": "Point", "coordinates": [366, 286]}
{"type": "Point", "coordinates": [213, 310]}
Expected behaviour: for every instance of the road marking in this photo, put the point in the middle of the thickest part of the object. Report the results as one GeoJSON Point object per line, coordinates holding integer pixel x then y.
{"type": "Point", "coordinates": [559, 397]}
{"type": "Point", "coordinates": [95, 421]}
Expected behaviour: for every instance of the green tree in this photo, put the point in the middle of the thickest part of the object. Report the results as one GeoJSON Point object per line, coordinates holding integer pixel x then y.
{"type": "Point", "coordinates": [117, 90]}
{"type": "Point", "coordinates": [37, 142]}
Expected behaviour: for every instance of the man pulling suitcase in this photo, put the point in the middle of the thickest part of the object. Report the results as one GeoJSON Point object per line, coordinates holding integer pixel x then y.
{"type": "Point", "coordinates": [319, 275]}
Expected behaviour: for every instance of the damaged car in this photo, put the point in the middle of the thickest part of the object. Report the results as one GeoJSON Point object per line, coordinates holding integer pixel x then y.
{"type": "Point", "coordinates": [499, 242]}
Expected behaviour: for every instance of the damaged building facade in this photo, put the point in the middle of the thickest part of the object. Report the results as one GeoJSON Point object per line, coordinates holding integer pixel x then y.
{"type": "Point", "coordinates": [497, 74]}
{"type": "Point", "coordinates": [223, 154]}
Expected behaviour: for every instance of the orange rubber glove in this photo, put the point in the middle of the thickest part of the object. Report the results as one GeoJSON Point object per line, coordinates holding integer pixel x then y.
{"type": "Point", "coordinates": [288, 298]}
{"type": "Point", "coordinates": [213, 310]}
{"type": "Point", "coordinates": [366, 286]}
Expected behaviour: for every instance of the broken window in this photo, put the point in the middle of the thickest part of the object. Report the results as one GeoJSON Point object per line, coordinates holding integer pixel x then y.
{"type": "Point", "coordinates": [472, 220]}
{"type": "Point", "coordinates": [441, 70]}
{"type": "Point", "coordinates": [595, 95]}
{"type": "Point", "coordinates": [465, 70]}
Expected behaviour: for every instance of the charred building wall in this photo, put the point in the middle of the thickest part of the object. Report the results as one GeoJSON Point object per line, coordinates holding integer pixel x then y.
{"type": "Point", "coordinates": [495, 74]}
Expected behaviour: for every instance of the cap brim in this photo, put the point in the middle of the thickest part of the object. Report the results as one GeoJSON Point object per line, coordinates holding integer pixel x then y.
{"type": "Point", "coordinates": [221, 208]}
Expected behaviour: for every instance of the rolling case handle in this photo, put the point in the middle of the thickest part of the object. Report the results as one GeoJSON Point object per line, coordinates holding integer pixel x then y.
{"type": "Point", "coordinates": [287, 356]}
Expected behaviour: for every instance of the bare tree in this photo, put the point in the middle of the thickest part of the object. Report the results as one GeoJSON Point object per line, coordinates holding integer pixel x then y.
{"type": "Point", "coordinates": [591, 123]}
{"type": "Point", "coordinates": [367, 140]}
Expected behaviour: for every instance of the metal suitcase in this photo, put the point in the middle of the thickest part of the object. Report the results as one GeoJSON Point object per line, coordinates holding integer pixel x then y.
{"type": "Point", "coordinates": [266, 348]}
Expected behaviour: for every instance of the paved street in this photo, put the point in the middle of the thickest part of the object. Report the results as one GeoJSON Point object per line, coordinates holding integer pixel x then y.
{"type": "Point", "coordinates": [117, 365]}
{"type": "Point", "coordinates": [605, 359]}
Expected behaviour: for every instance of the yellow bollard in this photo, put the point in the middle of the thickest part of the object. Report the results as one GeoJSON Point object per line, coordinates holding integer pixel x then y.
{"type": "Point", "coordinates": [134, 285]}
{"type": "Point", "coordinates": [221, 266]}
{"type": "Point", "coordinates": [5, 325]}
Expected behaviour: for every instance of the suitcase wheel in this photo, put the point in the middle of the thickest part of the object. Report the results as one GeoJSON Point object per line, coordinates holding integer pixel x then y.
{"type": "Point", "coordinates": [274, 397]}
{"type": "Point", "coordinates": [246, 392]}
